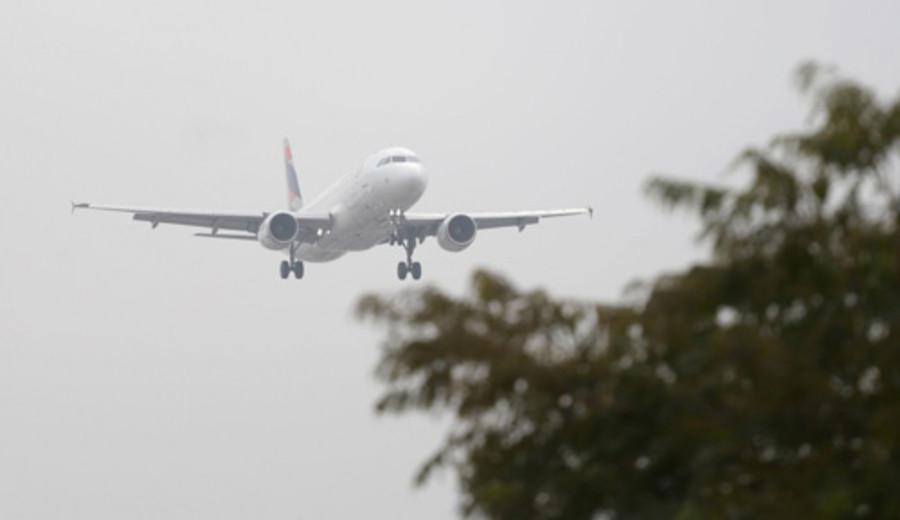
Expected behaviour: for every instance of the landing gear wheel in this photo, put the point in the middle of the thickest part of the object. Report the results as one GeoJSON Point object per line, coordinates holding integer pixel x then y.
{"type": "Point", "coordinates": [285, 269]}
{"type": "Point", "coordinates": [408, 267]}
{"type": "Point", "coordinates": [298, 270]}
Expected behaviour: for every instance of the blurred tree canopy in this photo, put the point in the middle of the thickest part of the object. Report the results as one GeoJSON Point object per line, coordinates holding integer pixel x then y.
{"type": "Point", "coordinates": [763, 384]}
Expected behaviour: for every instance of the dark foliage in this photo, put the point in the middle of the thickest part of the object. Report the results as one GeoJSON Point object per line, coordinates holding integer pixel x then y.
{"type": "Point", "coordinates": [762, 385]}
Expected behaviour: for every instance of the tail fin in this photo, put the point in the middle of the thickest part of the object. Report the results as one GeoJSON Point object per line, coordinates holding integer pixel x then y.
{"type": "Point", "coordinates": [295, 199]}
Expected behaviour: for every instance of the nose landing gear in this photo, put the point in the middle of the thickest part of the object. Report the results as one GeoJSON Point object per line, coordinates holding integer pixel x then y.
{"type": "Point", "coordinates": [408, 243]}
{"type": "Point", "coordinates": [409, 267]}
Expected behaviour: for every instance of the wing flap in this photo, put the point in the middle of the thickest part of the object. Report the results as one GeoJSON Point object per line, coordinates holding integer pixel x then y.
{"type": "Point", "coordinates": [249, 222]}
{"type": "Point", "coordinates": [427, 224]}
{"type": "Point", "coordinates": [215, 221]}
{"type": "Point", "coordinates": [228, 236]}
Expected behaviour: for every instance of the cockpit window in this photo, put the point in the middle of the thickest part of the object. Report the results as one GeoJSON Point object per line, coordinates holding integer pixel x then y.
{"type": "Point", "coordinates": [397, 159]}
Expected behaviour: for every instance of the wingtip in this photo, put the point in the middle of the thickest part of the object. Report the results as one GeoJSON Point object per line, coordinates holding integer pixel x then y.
{"type": "Point", "coordinates": [78, 205]}
{"type": "Point", "coordinates": [590, 210]}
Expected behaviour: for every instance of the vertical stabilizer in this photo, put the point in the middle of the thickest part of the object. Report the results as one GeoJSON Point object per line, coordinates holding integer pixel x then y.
{"type": "Point", "coordinates": [295, 199]}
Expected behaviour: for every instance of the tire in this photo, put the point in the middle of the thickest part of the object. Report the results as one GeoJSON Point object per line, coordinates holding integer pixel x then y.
{"type": "Point", "coordinates": [298, 270]}
{"type": "Point", "coordinates": [285, 269]}
{"type": "Point", "coordinates": [402, 270]}
{"type": "Point", "coordinates": [416, 270]}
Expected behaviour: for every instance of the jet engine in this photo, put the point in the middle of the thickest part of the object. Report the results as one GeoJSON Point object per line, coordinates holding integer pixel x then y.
{"type": "Point", "coordinates": [456, 232]}
{"type": "Point", "coordinates": [278, 231]}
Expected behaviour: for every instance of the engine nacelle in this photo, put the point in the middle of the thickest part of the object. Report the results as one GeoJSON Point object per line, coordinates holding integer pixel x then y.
{"type": "Point", "coordinates": [278, 231]}
{"type": "Point", "coordinates": [457, 232]}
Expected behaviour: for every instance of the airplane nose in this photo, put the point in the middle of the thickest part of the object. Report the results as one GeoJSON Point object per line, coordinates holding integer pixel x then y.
{"type": "Point", "coordinates": [411, 180]}
{"type": "Point", "coordinates": [420, 178]}
{"type": "Point", "coordinates": [413, 177]}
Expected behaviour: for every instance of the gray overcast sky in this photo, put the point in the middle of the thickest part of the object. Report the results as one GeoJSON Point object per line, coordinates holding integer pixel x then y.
{"type": "Point", "coordinates": [150, 374]}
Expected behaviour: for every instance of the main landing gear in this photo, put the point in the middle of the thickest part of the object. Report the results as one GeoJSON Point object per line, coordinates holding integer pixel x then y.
{"type": "Point", "coordinates": [287, 268]}
{"type": "Point", "coordinates": [294, 266]}
{"type": "Point", "coordinates": [409, 267]}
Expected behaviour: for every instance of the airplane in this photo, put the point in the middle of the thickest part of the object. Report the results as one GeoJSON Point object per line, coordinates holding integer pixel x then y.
{"type": "Point", "coordinates": [359, 211]}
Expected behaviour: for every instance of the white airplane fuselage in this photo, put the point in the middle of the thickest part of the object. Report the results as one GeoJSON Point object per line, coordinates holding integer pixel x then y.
{"type": "Point", "coordinates": [361, 210]}
{"type": "Point", "coordinates": [360, 205]}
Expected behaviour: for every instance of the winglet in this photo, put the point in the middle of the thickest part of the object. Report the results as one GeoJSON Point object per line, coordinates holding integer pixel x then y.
{"type": "Point", "coordinates": [590, 211]}
{"type": "Point", "coordinates": [295, 199]}
{"type": "Point", "coordinates": [78, 205]}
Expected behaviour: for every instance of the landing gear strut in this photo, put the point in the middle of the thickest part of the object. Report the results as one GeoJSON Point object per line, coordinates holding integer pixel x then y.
{"type": "Point", "coordinates": [409, 267]}
{"type": "Point", "coordinates": [409, 244]}
{"type": "Point", "coordinates": [294, 266]}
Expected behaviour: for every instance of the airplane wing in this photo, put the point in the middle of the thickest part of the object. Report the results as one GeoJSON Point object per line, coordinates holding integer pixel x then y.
{"type": "Point", "coordinates": [246, 223]}
{"type": "Point", "coordinates": [421, 225]}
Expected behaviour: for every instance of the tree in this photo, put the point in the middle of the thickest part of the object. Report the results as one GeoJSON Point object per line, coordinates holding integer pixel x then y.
{"type": "Point", "coordinates": [762, 384]}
